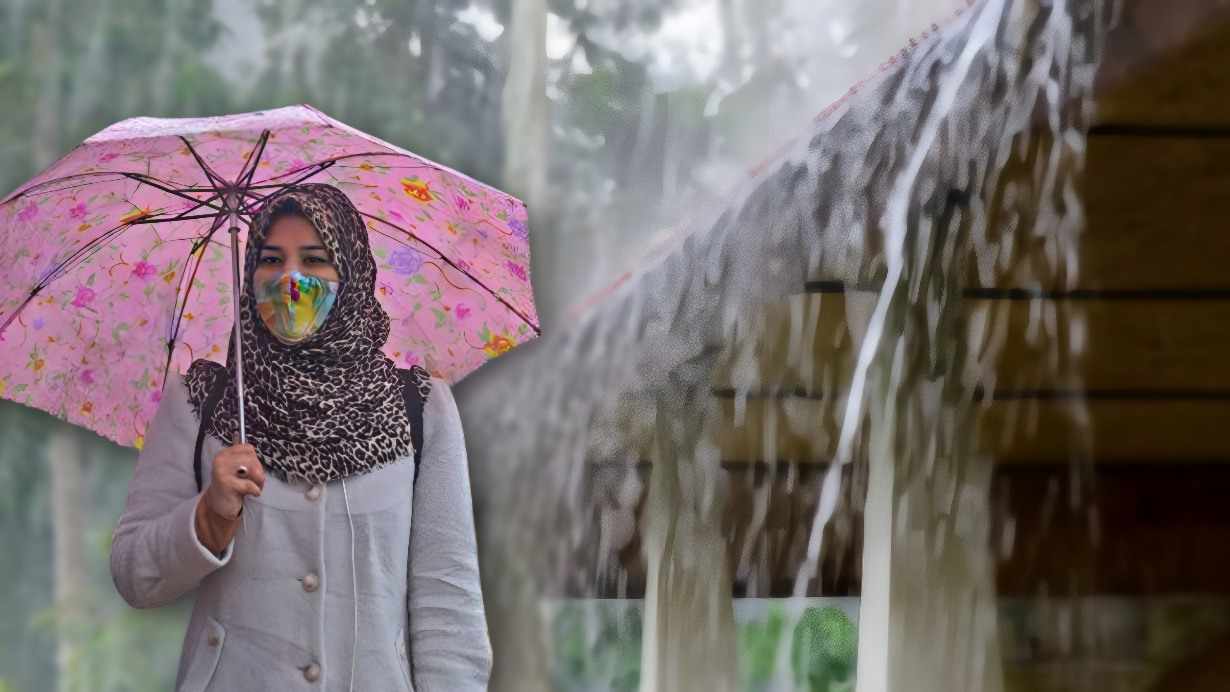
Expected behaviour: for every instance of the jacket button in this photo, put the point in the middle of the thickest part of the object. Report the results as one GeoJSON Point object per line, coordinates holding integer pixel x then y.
{"type": "Point", "coordinates": [313, 493]}
{"type": "Point", "coordinates": [311, 673]}
{"type": "Point", "coordinates": [214, 640]}
{"type": "Point", "coordinates": [310, 582]}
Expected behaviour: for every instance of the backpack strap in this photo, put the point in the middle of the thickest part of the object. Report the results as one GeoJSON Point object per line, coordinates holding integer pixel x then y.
{"type": "Point", "coordinates": [415, 388]}
{"type": "Point", "coordinates": [216, 388]}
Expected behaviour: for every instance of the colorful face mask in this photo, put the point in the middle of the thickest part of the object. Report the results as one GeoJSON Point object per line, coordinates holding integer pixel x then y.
{"type": "Point", "coordinates": [293, 306]}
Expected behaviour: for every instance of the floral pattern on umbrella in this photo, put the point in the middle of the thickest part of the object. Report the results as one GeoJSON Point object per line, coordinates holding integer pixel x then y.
{"type": "Point", "coordinates": [117, 265]}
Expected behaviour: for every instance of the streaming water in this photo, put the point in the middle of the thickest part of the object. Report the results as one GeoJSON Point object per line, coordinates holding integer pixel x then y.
{"type": "Point", "coordinates": [953, 170]}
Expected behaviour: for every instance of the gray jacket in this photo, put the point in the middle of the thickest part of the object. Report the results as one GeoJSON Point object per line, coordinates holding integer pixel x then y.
{"type": "Point", "coordinates": [278, 610]}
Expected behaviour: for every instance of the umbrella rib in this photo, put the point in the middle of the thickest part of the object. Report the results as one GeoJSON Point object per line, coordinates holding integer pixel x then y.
{"type": "Point", "coordinates": [180, 217]}
{"type": "Point", "coordinates": [247, 189]}
{"type": "Point", "coordinates": [184, 215]}
{"type": "Point", "coordinates": [39, 189]}
{"type": "Point", "coordinates": [319, 166]}
{"type": "Point", "coordinates": [58, 271]}
{"type": "Point", "coordinates": [209, 172]}
{"type": "Point", "coordinates": [245, 175]}
{"type": "Point", "coordinates": [84, 253]}
{"type": "Point", "coordinates": [42, 189]}
{"type": "Point", "coordinates": [177, 320]}
{"type": "Point", "coordinates": [142, 178]}
{"type": "Point", "coordinates": [17, 311]}
{"type": "Point", "coordinates": [452, 264]}
{"type": "Point", "coordinates": [198, 205]}
{"type": "Point", "coordinates": [81, 252]}
{"type": "Point", "coordinates": [335, 160]}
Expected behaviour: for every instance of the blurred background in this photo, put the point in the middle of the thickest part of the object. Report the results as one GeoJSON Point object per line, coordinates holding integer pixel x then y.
{"type": "Point", "coordinates": [619, 122]}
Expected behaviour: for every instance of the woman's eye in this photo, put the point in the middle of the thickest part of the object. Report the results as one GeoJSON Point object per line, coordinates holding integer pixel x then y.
{"type": "Point", "coordinates": [270, 259]}
{"type": "Point", "coordinates": [316, 260]}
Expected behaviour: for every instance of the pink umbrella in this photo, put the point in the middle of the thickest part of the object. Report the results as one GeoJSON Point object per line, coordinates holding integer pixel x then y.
{"type": "Point", "coordinates": [115, 270]}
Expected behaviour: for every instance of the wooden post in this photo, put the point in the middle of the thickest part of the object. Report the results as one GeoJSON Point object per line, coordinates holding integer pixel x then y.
{"type": "Point", "coordinates": [689, 630]}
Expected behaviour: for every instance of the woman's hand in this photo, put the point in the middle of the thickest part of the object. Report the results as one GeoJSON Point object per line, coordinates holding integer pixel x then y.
{"type": "Point", "coordinates": [222, 502]}
{"type": "Point", "coordinates": [225, 493]}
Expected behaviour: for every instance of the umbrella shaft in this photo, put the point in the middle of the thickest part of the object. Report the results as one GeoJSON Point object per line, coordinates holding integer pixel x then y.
{"type": "Point", "coordinates": [243, 437]}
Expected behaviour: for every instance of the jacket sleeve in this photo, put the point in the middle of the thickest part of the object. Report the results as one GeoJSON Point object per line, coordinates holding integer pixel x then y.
{"type": "Point", "coordinates": [156, 555]}
{"type": "Point", "coordinates": [449, 645]}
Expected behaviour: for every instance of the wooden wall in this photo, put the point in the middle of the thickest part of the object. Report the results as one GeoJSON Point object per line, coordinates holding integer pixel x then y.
{"type": "Point", "coordinates": [1143, 514]}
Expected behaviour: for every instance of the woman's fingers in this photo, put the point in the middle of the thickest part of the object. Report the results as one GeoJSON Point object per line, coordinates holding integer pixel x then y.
{"type": "Point", "coordinates": [242, 486]}
{"type": "Point", "coordinates": [256, 471]}
{"type": "Point", "coordinates": [243, 455]}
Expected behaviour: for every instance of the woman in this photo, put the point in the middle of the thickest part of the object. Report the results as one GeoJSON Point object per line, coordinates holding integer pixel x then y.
{"type": "Point", "coordinates": [320, 560]}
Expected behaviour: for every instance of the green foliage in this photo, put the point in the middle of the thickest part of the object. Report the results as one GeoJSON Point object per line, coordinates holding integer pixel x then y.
{"type": "Point", "coordinates": [443, 103]}
{"type": "Point", "coordinates": [758, 642]}
{"type": "Point", "coordinates": [597, 646]}
{"type": "Point", "coordinates": [824, 651]}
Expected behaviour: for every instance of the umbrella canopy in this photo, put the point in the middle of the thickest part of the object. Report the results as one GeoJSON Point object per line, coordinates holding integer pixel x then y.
{"type": "Point", "coordinates": [117, 265]}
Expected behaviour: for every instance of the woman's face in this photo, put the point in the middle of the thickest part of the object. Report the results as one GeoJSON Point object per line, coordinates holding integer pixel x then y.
{"type": "Point", "coordinates": [293, 245]}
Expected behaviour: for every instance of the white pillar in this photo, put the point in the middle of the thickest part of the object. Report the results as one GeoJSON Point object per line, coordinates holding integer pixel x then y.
{"type": "Point", "coordinates": [689, 639]}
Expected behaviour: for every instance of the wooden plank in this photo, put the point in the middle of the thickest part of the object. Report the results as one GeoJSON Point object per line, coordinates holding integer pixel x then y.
{"type": "Point", "coordinates": [1119, 431]}
{"type": "Point", "coordinates": [1153, 208]}
{"type": "Point", "coordinates": [1011, 432]}
{"type": "Point", "coordinates": [767, 527]}
{"type": "Point", "coordinates": [1168, 62]}
{"type": "Point", "coordinates": [1133, 529]}
{"type": "Point", "coordinates": [793, 429]}
{"type": "Point", "coordinates": [1138, 346]}
{"type": "Point", "coordinates": [1058, 529]}
{"type": "Point", "coordinates": [1152, 377]}
{"type": "Point", "coordinates": [1156, 208]}
{"type": "Point", "coordinates": [805, 344]}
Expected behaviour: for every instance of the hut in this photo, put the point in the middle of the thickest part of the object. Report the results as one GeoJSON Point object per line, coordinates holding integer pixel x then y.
{"type": "Point", "coordinates": [956, 354]}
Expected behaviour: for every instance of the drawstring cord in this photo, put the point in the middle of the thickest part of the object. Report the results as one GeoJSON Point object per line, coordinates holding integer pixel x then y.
{"type": "Point", "coordinates": [354, 581]}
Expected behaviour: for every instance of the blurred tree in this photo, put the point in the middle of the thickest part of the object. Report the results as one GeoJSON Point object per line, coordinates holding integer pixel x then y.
{"type": "Point", "coordinates": [618, 157]}
{"type": "Point", "coordinates": [80, 66]}
{"type": "Point", "coordinates": [85, 65]}
{"type": "Point", "coordinates": [525, 107]}
{"type": "Point", "coordinates": [27, 657]}
{"type": "Point", "coordinates": [407, 71]}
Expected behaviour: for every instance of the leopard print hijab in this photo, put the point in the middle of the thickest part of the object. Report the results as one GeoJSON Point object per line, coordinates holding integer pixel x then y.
{"type": "Point", "coordinates": [331, 405]}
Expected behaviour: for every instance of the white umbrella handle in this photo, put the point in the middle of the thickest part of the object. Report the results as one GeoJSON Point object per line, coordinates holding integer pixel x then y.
{"type": "Point", "coordinates": [237, 345]}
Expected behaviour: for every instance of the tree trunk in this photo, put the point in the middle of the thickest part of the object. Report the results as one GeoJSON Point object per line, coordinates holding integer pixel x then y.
{"type": "Point", "coordinates": [526, 118]}
{"type": "Point", "coordinates": [67, 498]}
{"type": "Point", "coordinates": [525, 106]}
{"type": "Point", "coordinates": [731, 62]}
{"type": "Point", "coordinates": [64, 449]}
{"type": "Point", "coordinates": [46, 144]}
{"type": "Point", "coordinates": [517, 618]}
